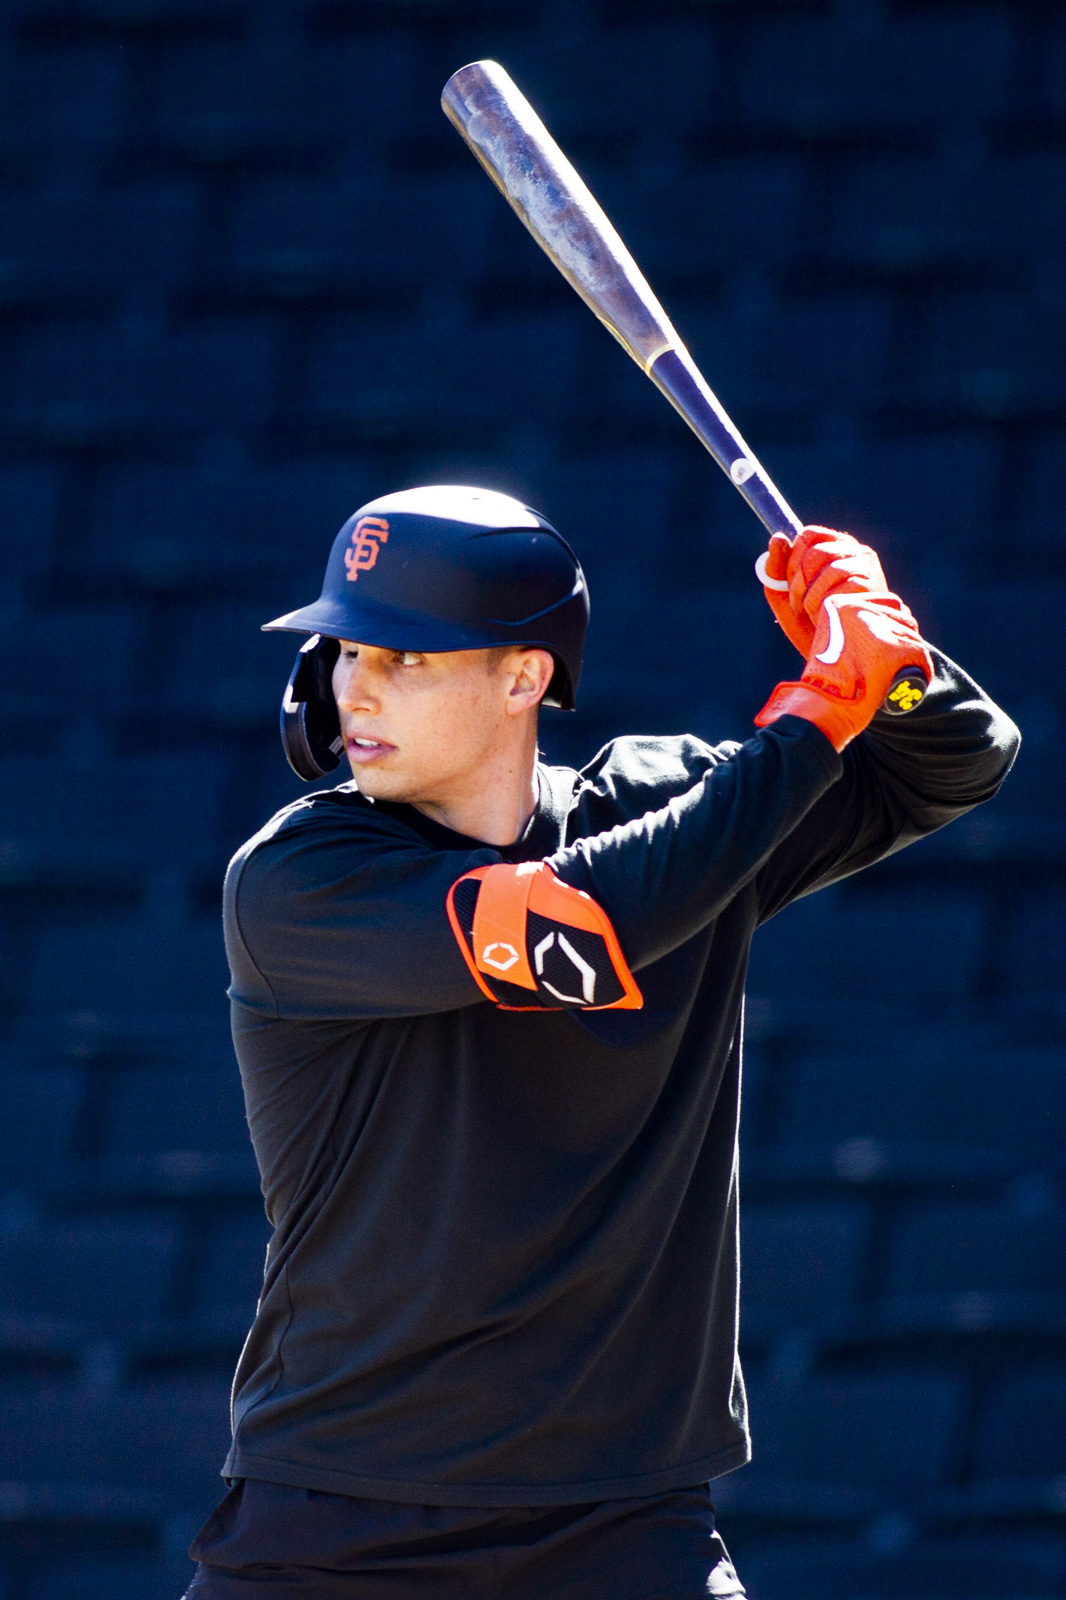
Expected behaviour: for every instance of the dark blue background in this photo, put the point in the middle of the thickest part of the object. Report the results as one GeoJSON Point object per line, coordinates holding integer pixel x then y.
{"type": "Point", "coordinates": [249, 277]}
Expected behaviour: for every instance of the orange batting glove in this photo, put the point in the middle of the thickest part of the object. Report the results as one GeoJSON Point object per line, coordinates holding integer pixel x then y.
{"type": "Point", "coordinates": [860, 642]}
{"type": "Point", "coordinates": [797, 575]}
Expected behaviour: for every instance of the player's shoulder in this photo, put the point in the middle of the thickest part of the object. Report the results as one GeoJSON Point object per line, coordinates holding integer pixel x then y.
{"type": "Point", "coordinates": [314, 821]}
{"type": "Point", "coordinates": [641, 772]}
{"type": "Point", "coordinates": [655, 761]}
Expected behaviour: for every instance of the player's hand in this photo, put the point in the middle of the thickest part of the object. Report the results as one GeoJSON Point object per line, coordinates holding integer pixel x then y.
{"type": "Point", "coordinates": [797, 575]}
{"type": "Point", "coordinates": [860, 643]}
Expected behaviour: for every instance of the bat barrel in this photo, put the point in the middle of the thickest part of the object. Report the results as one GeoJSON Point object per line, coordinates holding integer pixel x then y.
{"type": "Point", "coordinates": [496, 120]}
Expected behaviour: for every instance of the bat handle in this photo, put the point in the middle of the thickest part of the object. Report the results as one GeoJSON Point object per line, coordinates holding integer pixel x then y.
{"type": "Point", "coordinates": [681, 381]}
{"type": "Point", "coordinates": [907, 690]}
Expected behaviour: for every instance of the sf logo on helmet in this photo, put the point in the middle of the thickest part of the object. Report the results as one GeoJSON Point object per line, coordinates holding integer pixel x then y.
{"type": "Point", "coordinates": [368, 535]}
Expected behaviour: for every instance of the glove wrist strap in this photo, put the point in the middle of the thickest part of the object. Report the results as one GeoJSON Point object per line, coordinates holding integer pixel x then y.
{"type": "Point", "coordinates": [834, 717]}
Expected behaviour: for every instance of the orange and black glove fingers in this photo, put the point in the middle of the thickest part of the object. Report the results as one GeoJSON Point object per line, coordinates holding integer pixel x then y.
{"type": "Point", "coordinates": [772, 571]}
{"type": "Point", "coordinates": [823, 561]}
{"type": "Point", "coordinates": [797, 575]}
{"type": "Point", "coordinates": [533, 943]}
{"type": "Point", "coordinates": [862, 641]}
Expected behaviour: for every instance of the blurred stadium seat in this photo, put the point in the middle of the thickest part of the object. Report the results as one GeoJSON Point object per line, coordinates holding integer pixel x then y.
{"type": "Point", "coordinates": [807, 65]}
{"type": "Point", "coordinates": [969, 1271]}
{"type": "Point", "coordinates": [44, 1105]}
{"type": "Point", "coordinates": [88, 384]}
{"type": "Point", "coordinates": [1019, 1467]}
{"type": "Point", "coordinates": [152, 1109]}
{"type": "Point", "coordinates": [165, 528]}
{"type": "Point", "coordinates": [1023, 1431]}
{"type": "Point", "coordinates": [57, 105]}
{"type": "Point", "coordinates": [983, 1568]}
{"type": "Point", "coordinates": [98, 1578]}
{"type": "Point", "coordinates": [81, 667]}
{"type": "Point", "coordinates": [231, 1275]}
{"type": "Point", "coordinates": [222, 673]}
{"type": "Point", "coordinates": [125, 964]}
{"type": "Point", "coordinates": [29, 506]}
{"type": "Point", "coordinates": [123, 815]}
{"type": "Point", "coordinates": [414, 380]}
{"type": "Point", "coordinates": [960, 1248]}
{"type": "Point", "coordinates": [899, 1106]}
{"type": "Point", "coordinates": [1037, 954]}
{"type": "Point", "coordinates": [832, 1450]}
{"type": "Point", "coordinates": [1000, 633]}
{"type": "Point", "coordinates": [218, 98]}
{"type": "Point", "coordinates": [328, 237]}
{"type": "Point", "coordinates": [802, 1263]}
{"type": "Point", "coordinates": [100, 1272]}
{"type": "Point", "coordinates": [867, 931]}
{"type": "Point", "coordinates": [135, 236]}
{"type": "Point", "coordinates": [165, 1437]}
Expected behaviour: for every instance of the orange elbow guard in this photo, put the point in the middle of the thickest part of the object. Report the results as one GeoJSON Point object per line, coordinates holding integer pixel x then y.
{"type": "Point", "coordinates": [533, 943]}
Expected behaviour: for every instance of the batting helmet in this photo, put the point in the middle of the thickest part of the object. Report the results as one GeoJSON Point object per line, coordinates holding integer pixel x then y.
{"type": "Point", "coordinates": [444, 567]}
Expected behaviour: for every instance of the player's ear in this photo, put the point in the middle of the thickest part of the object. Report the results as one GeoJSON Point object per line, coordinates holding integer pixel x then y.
{"type": "Point", "coordinates": [533, 672]}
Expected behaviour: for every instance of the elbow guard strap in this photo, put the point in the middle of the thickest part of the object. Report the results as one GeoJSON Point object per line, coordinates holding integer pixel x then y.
{"type": "Point", "coordinates": [533, 943]}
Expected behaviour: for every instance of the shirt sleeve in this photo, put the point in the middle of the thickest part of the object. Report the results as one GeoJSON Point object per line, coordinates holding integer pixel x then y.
{"type": "Point", "coordinates": [902, 779]}
{"type": "Point", "coordinates": [339, 914]}
{"type": "Point", "coordinates": [664, 875]}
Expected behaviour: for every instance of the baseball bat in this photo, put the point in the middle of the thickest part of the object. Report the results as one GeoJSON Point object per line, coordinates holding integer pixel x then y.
{"type": "Point", "coordinates": [549, 195]}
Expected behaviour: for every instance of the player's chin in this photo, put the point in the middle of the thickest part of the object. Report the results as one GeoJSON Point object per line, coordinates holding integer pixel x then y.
{"type": "Point", "coordinates": [379, 781]}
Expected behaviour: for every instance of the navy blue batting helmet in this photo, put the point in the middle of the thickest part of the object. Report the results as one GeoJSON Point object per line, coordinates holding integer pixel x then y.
{"type": "Point", "coordinates": [445, 567]}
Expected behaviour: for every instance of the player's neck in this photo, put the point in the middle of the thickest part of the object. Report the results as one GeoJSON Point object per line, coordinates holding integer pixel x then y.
{"type": "Point", "coordinates": [497, 801]}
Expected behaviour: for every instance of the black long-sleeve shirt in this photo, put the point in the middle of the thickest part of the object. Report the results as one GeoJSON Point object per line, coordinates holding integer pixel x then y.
{"type": "Point", "coordinates": [504, 1268]}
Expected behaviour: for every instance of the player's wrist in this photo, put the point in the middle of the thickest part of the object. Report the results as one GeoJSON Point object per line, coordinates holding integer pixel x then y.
{"type": "Point", "coordinates": [830, 715]}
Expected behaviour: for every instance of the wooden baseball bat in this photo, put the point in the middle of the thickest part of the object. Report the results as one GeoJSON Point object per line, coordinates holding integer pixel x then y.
{"type": "Point", "coordinates": [527, 166]}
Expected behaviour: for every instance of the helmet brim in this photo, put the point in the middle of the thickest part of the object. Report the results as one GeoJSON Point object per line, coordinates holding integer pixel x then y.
{"type": "Point", "coordinates": [392, 628]}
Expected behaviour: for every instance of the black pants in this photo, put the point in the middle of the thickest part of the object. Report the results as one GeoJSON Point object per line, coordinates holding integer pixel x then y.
{"type": "Point", "coordinates": [269, 1542]}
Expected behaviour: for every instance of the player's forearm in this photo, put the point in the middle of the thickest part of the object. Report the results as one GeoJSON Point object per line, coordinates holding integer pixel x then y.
{"type": "Point", "coordinates": [949, 754]}
{"type": "Point", "coordinates": [665, 875]}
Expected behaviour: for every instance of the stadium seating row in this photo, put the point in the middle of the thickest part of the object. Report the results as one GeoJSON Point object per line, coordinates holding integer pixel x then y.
{"type": "Point", "coordinates": [936, 1569]}
{"type": "Point", "coordinates": [836, 1274]}
{"type": "Point", "coordinates": [258, 535]}
{"type": "Point", "coordinates": [830, 1452]}
{"type": "Point", "coordinates": [110, 963]}
{"type": "Point", "coordinates": [990, 357]}
{"type": "Point", "coordinates": [892, 1110]}
{"type": "Point", "coordinates": [958, 1263]}
{"type": "Point", "coordinates": [981, 1567]}
{"type": "Point", "coordinates": [141, 1282]}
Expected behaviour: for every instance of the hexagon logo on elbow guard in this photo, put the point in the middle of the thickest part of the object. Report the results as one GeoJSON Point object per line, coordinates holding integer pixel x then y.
{"type": "Point", "coordinates": [501, 956]}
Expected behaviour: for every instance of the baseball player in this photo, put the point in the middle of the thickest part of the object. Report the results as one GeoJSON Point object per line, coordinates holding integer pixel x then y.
{"type": "Point", "coordinates": [488, 1015]}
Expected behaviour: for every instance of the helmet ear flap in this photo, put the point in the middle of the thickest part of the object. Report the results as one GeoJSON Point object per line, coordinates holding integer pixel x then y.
{"type": "Point", "coordinates": [310, 727]}
{"type": "Point", "coordinates": [560, 691]}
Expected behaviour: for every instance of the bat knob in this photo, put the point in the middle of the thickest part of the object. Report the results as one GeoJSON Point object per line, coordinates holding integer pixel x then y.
{"type": "Point", "coordinates": [906, 691]}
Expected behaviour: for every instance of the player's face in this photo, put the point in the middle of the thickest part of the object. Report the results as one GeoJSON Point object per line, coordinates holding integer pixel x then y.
{"type": "Point", "coordinates": [428, 729]}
